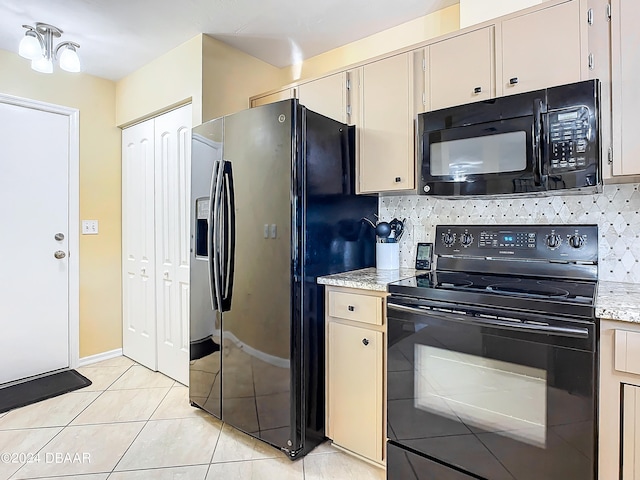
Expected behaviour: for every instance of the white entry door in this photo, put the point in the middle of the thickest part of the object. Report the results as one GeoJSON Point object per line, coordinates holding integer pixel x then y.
{"type": "Point", "coordinates": [34, 236]}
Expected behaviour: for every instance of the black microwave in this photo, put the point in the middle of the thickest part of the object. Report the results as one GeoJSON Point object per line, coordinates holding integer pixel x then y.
{"type": "Point", "coordinates": [530, 143]}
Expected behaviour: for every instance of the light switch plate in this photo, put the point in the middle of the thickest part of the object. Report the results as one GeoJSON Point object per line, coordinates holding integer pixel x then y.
{"type": "Point", "coordinates": [89, 227]}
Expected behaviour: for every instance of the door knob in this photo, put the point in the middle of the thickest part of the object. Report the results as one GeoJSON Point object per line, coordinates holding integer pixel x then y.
{"type": "Point", "coordinates": [59, 254]}
{"type": "Point", "coordinates": [59, 236]}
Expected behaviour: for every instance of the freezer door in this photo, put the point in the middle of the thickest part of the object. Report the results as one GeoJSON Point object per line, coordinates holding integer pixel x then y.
{"type": "Point", "coordinates": [205, 320]}
{"type": "Point", "coordinates": [256, 377]}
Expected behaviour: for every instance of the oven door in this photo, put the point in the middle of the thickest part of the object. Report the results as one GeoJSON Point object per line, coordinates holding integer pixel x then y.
{"type": "Point", "coordinates": [488, 395]}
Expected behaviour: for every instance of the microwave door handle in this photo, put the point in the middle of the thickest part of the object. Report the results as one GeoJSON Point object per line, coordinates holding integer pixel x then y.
{"type": "Point", "coordinates": [537, 141]}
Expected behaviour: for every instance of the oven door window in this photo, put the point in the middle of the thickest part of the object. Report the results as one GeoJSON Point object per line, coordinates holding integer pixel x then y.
{"type": "Point", "coordinates": [497, 403]}
{"type": "Point", "coordinates": [492, 157]}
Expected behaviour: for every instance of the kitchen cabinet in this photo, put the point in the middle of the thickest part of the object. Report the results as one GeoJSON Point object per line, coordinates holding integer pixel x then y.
{"type": "Point", "coordinates": [355, 356]}
{"type": "Point", "coordinates": [619, 423]}
{"type": "Point", "coordinates": [283, 94]}
{"type": "Point", "coordinates": [385, 126]}
{"type": "Point", "coordinates": [327, 96]}
{"type": "Point", "coordinates": [625, 63]}
{"type": "Point", "coordinates": [461, 69]}
{"type": "Point", "coordinates": [156, 157]}
{"type": "Point", "coordinates": [542, 48]}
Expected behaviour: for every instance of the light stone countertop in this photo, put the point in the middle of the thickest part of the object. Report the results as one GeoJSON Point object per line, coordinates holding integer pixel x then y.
{"type": "Point", "coordinates": [618, 301]}
{"type": "Point", "coordinates": [367, 278]}
{"type": "Point", "coordinates": [615, 300]}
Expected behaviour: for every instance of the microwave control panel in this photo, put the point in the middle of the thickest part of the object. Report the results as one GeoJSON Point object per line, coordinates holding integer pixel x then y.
{"type": "Point", "coordinates": [569, 136]}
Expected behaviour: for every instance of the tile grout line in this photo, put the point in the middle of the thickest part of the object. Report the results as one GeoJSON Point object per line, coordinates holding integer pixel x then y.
{"type": "Point", "coordinates": [67, 425]}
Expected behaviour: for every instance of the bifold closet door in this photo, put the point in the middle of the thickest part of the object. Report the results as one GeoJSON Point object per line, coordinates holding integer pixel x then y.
{"type": "Point", "coordinates": [138, 244]}
{"type": "Point", "coordinates": [156, 156]}
{"type": "Point", "coordinates": [173, 179]}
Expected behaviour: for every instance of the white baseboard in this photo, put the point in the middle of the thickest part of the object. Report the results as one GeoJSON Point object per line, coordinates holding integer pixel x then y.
{"type": "Point", "coordinates": [98, 357]}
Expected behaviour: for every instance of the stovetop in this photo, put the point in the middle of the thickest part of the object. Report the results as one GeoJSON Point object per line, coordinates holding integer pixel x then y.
{"type": "Point", "coordinates": [540, 269]}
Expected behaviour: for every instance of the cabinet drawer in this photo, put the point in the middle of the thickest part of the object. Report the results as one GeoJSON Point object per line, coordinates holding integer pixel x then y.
{"type": "Point", "coordinates": [351, 306]}
{"type": "Point", "coordinates": [627, 351]}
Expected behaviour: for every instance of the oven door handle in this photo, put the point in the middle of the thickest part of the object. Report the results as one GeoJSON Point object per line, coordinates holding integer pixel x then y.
{"type": "Point", "coordinates": [544, 329]}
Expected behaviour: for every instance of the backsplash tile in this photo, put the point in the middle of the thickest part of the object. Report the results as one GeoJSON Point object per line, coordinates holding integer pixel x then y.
{"type": "Point", "coordinates": [616, 211]}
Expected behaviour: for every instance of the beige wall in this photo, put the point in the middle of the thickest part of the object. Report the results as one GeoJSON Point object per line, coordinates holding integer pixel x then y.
{"type": "Point", "coordinates": [100, 297]}
{"type": "Point", "coordinates": [170, 80]}
{"type": "Point", "coordinates": [230, 77]}
{"type": "Point", "coordinates": [478, 11]}
{"type": "Point", "coordinates": [433, 25]}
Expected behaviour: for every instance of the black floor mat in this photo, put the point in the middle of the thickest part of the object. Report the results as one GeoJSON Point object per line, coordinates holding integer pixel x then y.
{"type": "Point", "coordinates": [33, 391]}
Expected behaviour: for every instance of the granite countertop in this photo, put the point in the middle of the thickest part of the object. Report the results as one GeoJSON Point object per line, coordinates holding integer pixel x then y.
{"type": "Point", "coordinates": [615, 300]}
{"type": "Point", "coordinates": [618, 301]}
{"type": "Point", "coordinates": [367, 278]}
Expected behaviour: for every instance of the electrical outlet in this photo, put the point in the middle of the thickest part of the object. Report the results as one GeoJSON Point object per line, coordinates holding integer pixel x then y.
{"type": "Point", "coordinates": [89, 227]}
{"type": "Point", "coordinates": [274, 231]}
{"type": "Point", "coordinates": [266, 230]}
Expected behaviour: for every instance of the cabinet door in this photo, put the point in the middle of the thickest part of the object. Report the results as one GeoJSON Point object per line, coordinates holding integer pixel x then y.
{"type": "Point", "coordinates": [461, 69]}
{"type": "Point", "coordinates": [138, 243]}
{"type": "Point", "coordinates": [541, 49]}
{"type": "Point", "coordinates": [172, 193]}
{"type": "Point", "coordinates": [326, 96]}
{"type": "Point", "coordinates": [355, 389]}
{"type": "Point", "coordinates": [386, 161]}
{"type": "Point", "coordinates": [625, 38]}
{"type": "Point", "coordinates": [631, 433]}
{"type": "Point", "coordinates": [274, 97]}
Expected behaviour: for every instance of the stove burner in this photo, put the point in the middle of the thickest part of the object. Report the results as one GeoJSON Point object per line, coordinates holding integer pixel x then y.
{"type": "Point", "coordinates": [455, 284]}
{"type": "Point", "coordinates": [539, 291]}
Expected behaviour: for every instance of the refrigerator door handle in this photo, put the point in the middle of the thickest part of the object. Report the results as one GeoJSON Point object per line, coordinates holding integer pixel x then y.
{"type": "Point", "coordinates": [214, 238]}
{"type": "Point", "coordinates": [229, 234]}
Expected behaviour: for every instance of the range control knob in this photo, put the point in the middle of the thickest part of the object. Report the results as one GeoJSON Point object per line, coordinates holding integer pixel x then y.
{"type": "Point", "coordinates": [576, 241]}
{"type": "Point", "coordinates": [553, 241]}
{"type": "Point", "coordinates": [448, 239]}
{"type": "Point", "coordinates": [466, 239]}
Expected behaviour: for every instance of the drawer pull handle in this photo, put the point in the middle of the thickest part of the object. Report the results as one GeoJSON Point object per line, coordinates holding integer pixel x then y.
{"type": "Point", "coordinates": [365, 342]}
{"type": "Point", "coordinates": [513, 81]}
{"type": "Point", "coordinates": [351, 308]}
{"type": "Point", "coordinates": [477, 90]}
{"type": "Point", "coordinates": [398, 179]}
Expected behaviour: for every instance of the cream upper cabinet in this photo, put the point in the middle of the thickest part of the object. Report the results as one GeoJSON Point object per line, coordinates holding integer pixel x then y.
{"type": "Point", "coordinates": [273, 97]}
{"type": "Point", "coordinates": [625, 38]}
{"type": "Point", "coordinates": [542, 49]}
{"type": "Point", "coordinates": [385, 160]}
{"type": "Point", "coordinates": [461, 69]}
{"type": "Point", "coordinates": [327, 96]}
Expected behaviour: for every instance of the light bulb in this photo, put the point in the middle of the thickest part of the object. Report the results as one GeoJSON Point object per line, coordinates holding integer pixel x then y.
{"type": "Point", "coordinates": [43, 65]}
{"type": "Point", "coordinates": [69, 60]}
{"type": "Point", "coordinates": [30, 46]}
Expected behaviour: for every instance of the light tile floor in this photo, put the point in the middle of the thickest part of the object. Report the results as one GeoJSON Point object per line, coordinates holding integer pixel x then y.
{"type": "Point", "coordinates": [135, 424]}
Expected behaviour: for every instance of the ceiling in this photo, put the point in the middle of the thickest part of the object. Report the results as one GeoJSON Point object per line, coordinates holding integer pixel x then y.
{"type": "Point", "coordinates": [119, 36]}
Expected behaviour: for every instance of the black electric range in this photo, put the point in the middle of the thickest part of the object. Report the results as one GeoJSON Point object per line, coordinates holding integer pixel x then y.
{"type": "Point", "coordinates": [492, 357]}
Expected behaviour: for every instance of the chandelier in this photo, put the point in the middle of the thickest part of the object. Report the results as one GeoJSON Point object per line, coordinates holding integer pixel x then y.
{"type": "Point", "coordinates": [37, 46]}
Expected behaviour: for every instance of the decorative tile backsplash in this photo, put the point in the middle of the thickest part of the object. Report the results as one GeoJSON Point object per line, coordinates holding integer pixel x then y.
{"type": "Point", "coordinates": [616, 211]}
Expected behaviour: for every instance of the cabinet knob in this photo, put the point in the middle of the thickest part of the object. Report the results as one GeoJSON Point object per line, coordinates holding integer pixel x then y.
{"type": "Point", "coordinates": [351, 308]}
{"type": "Point", "coordinates": [365, 342]}
{"type": "Point", "coordinates": [513, 81]}
{"type": "Point", "coordinates": [477, 90]}
{"type": "Point", "coordinates": [398, 179]}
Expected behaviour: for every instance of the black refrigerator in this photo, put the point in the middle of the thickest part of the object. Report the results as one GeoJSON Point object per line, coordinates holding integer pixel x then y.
{"type": "Point", "coordinates": [273, 207]}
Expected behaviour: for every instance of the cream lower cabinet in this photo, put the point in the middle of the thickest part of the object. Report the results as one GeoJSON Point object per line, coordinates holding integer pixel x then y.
{"type": "Point", "coordinates": [355, 350]}
{"type": "Point", "coordinates": [385, 125]}
{"type": "Point", "coordinates": [619, 422]}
